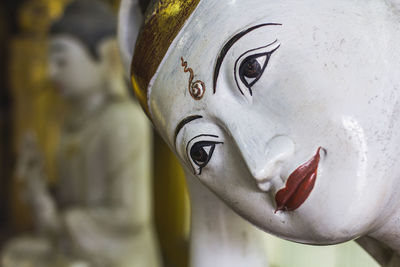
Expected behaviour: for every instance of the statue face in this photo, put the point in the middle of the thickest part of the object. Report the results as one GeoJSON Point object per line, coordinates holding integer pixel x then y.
{"type": "Point", "coordinates": [247, 98]}
{"type": "Point", "coordinates": [72, 69]}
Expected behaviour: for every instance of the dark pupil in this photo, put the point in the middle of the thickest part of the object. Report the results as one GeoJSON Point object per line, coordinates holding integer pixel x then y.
{"type": "Point", "coordinates": [199, 154]}
{"type": "Point", "coordinates": [251, 68]}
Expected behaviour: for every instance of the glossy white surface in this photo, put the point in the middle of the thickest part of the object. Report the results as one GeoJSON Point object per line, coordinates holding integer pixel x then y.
{"type": "Point", "coordinates": [333, 82]}
{"type": "Point", "coordinates": [329, 84]}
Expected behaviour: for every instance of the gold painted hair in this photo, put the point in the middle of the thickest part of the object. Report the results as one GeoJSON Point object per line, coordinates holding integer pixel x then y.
{"type": "Point", "coordinates": [163, 22]}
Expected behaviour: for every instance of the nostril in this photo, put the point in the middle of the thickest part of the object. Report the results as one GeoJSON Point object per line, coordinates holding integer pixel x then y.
{"type": "Point", "coordinates": [268, 165]}
{"type": "Point", "coordinates": [267, 171]}
{"type": "Point", "coordinates": [267, 177]}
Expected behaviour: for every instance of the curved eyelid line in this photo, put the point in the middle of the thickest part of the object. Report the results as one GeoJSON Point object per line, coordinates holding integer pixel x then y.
{"type": "Point", "coordinates": [228, 46]}
{"type": "Point", "coordinates": [200, 135]}
{"type": "Point", "coordinates": [268, 54]}
{"type": "Point", "coordinates": [183, 123]}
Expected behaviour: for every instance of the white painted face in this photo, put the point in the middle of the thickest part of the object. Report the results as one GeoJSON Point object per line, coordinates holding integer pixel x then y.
{"type": "Point", "coordinates": [307, 74]}
{"type": "Point", "coordinates": [72, 69]}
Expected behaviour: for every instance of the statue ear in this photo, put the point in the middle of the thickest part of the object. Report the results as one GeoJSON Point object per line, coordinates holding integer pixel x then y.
{"type": "Point", "coordinates": [129, 22]}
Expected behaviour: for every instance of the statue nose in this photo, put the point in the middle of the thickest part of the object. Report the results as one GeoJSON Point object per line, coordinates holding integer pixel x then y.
{"type": "Point", "coordinates": [265, 161]}
{"type": "Point", "coordinates": [265, 165]}
{"type": "Point", "coordinates": [262, 148]}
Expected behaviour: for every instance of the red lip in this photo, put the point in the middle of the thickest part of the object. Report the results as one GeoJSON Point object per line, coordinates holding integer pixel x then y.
{"type": "Point", "coordinates": [298, 186]}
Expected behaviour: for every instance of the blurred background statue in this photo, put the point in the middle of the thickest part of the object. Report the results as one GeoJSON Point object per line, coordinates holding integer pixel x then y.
{"type": "Point", "coordinates": [99, 212]}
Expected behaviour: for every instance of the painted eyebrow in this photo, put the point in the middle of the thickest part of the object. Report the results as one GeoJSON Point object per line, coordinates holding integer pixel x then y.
{"type": "Point", "coordinates": [228, 46]}
{"type": "Point", "coordinates": [183, 123]}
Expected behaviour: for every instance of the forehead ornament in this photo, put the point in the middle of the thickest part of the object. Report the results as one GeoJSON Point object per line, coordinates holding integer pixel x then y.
{"type": "Point", "coordinates": [197, 88]}
{"type": "Point", "coordinates": [163, 22]}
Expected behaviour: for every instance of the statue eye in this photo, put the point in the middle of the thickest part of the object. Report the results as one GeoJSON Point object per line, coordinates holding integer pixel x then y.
{"type": "Point", "coordinates": [252, 68]}
{"type": "Point", "coordinates": [201, 153]}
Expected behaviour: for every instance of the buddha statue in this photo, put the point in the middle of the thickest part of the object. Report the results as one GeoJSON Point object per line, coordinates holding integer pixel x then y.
{"type": "Point", "coordinates": [288, 111]}
{"type": "Point", "coordinates": [99, 214]}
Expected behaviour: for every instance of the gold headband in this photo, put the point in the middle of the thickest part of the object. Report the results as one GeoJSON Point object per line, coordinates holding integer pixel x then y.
{"type": "Point", "coordinates": [162, 24]}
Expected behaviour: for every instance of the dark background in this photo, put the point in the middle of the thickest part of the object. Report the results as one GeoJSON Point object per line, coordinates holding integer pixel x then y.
{"type": "Point", "coordinates": [8, 27]}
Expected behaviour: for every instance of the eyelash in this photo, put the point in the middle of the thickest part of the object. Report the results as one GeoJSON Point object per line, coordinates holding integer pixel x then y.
{"type": "Point", "coordinates": [239, 72]}
{"type": "Point", "coordinates": [202, 145]}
